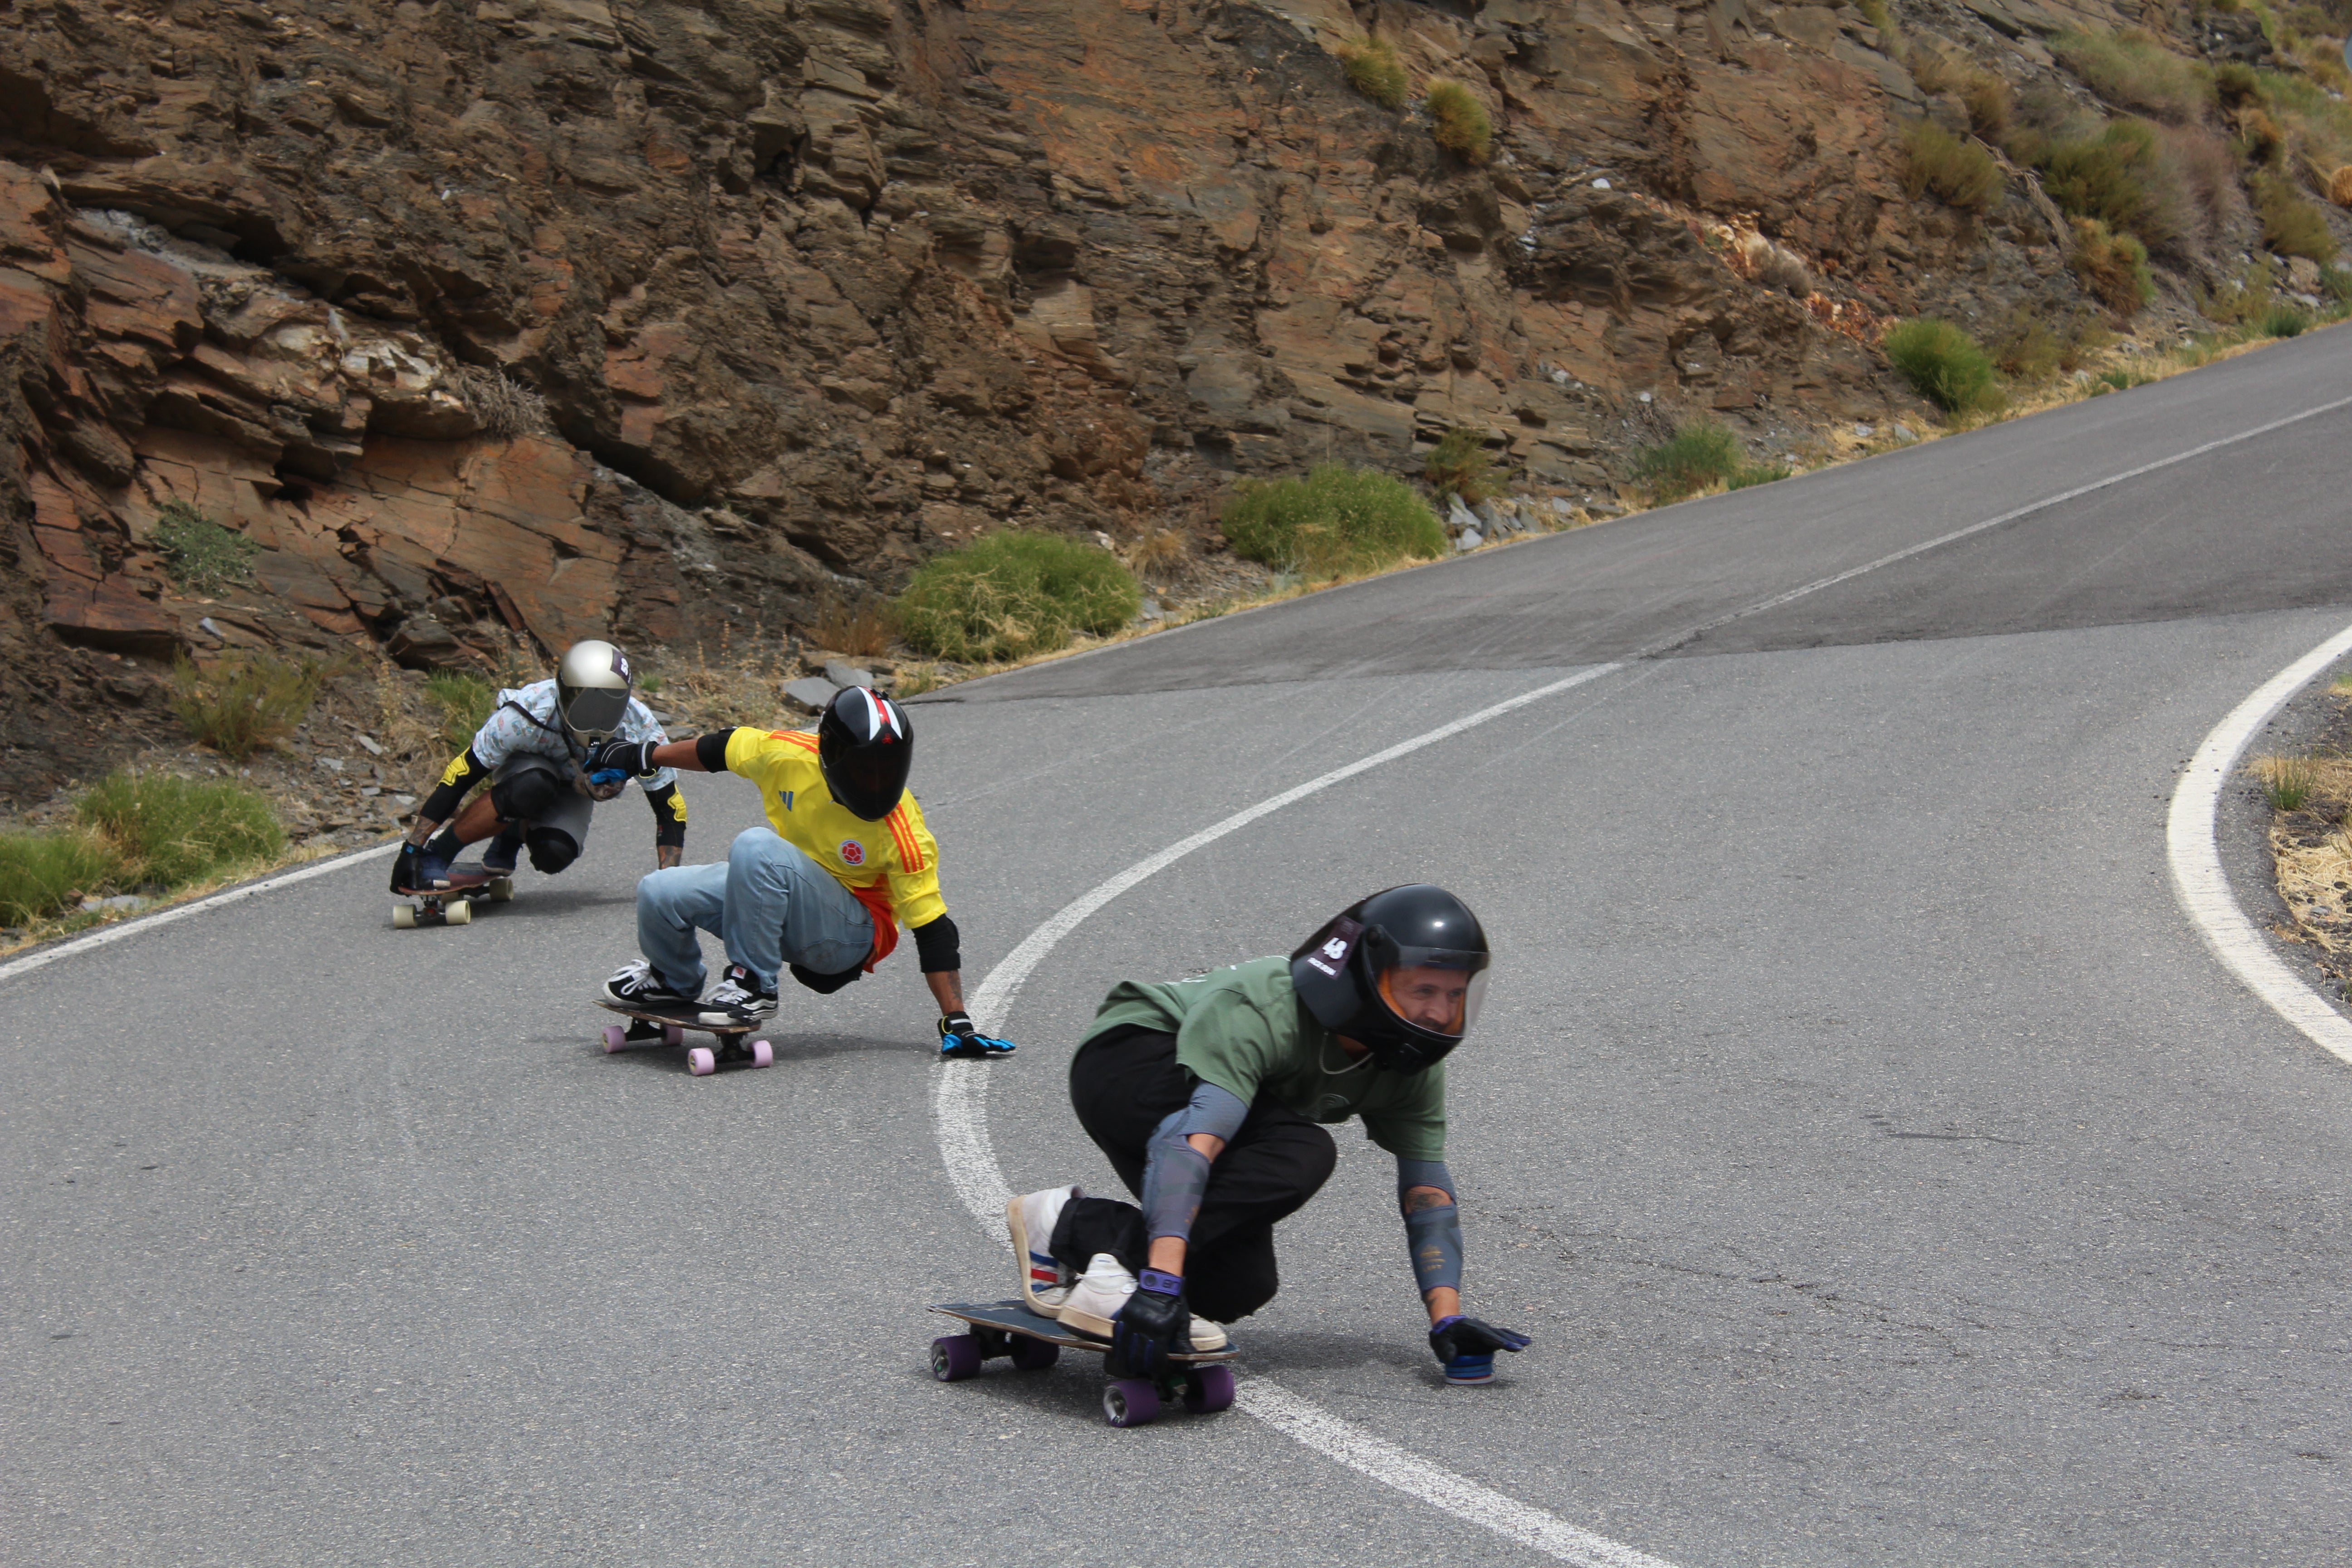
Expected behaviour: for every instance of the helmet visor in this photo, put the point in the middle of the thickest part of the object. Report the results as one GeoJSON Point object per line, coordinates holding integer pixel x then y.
{"type": "Point", "coordinates": [1435, 989]}
{"type": "Point", "coordinates": [595, 709]}
{"type": "Point", "coordinates": [869, 780]}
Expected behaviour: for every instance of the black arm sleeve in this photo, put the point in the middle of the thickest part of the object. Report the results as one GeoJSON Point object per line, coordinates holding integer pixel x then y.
{"type": "Point", "coordinates": [669, 814]}
{"type": "Point", "coordinates": [464, 772]}
{"type": "Point", "coordinates": [710, 750]}
{"type": "Point", "coordinates": [937, 946]}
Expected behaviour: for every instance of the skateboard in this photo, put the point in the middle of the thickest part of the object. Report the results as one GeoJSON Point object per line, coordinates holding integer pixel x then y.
{"type": "Point", "coordinates": [1033, 1343]}
{"type": "Point", "coordinates": [667, 1027]}
{"type": "Point", "coordinates": [453, 905]}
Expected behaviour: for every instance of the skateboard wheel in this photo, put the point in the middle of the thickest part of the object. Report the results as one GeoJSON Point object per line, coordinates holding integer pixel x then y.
{"type": "Point", "coordinates": [763, 1055]}
{"type": "Point", "coordinates": [616, 1037]}
{"type": "Point", "coordinates": [502, 891]}
{"type": "Point", "coordinates": [700, 1062]}
{"type": "Point", "coordinates": [955, 1357]}
{"type": "Point", "coordinates": [404, 918]}
{"type": "Point", "coordinates": [460, 913]}
{"type": "Point", "coordinates": [672, 1035]}
{"type": "Point", "coordinates": [1131, 1402]}
{"type": "Point", "coordinates": [1033, 1355]}
{"type": "Point", "coordinates": [1208, 1389]}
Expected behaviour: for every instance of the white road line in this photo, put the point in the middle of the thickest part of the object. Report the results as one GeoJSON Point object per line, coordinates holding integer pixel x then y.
{"type": "Point", "coordinates": [1408, 1472]}
{"type": "Point", "coordinates": [132, 927]}
{"type": "Point", "coordinates": [1956, 534]}
{"type": "Point", "coordinates": [2196, 857]}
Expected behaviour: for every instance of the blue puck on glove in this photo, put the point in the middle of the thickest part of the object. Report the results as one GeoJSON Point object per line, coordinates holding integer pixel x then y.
{"type": "Point", "coordinates": [602, 777]}
{"type": "Point", "coordinates": [1467, 1369]}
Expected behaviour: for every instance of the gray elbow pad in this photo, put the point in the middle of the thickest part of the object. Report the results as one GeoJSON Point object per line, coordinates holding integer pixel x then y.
{"type": "Point", "coordinates": [1434, 1237]}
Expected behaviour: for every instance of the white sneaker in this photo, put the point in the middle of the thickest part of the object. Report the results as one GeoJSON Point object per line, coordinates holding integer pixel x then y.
{"type": "Point", "coordinates": [1044, 1283]}
{"type": "Point", "coordinates": [1098, 1296]}
{"type": "Point", "coordinates": [1207, 1336]}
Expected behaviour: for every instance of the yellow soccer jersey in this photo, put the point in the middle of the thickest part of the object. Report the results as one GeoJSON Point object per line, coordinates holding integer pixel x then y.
{"type": "Point", "coordinates": [891, 864]}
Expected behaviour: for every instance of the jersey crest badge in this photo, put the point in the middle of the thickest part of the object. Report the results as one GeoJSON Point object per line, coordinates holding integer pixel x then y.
{"type": "Point", "coordinates": [853, 853]}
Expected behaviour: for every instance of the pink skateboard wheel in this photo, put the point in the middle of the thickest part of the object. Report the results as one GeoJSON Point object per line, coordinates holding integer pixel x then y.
{"type": "Point", "coordinates": [763, 1055]}
{"type": "Point", "coordinates": [616, 1037]}
{"type": "Point", "coordinates": [700, 1062]}
{"type": "Point", "coordinates": [672, 1035]}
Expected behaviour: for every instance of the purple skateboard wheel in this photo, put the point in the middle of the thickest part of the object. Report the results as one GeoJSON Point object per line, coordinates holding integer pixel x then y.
{"type": "Point", "coordinates": [700, 1062]}
{"type": "Point", "coordinates": [1208, 1389]}
{"type": "Point", "coordinates": [1131, 1402]}
{"type": "Point", "coordinates": [1033, 1355]}
{"type": "Point", "coordinates": [616, 1038]}
{"type": "Point", "coordinates": [672, 1035]}
{"type": "Point", "coordinates": [763, 1055]}
{"type": "Point", "coordinates": [955, 1357]}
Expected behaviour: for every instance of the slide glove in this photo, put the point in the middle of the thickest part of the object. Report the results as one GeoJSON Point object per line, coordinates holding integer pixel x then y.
{"type": "Point", "coordinates": [415, 871]}
{"type": "Point", "coordinates": [609, 762]}
{"type": "Point", "coordinates": [1465, 1347]}
{"type": "Point", "coordinates": [960, 1039]}
{"type": "Point", "coordinates": [1151, 1327]}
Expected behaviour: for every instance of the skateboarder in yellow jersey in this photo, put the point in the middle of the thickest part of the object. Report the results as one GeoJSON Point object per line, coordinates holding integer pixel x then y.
{"type": "Point", "coordinates": [846, 862]}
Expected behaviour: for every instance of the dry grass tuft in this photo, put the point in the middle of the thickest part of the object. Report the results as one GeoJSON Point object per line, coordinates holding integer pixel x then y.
{"type": "Point", "coordinates": [1459, 122]}
{"type": "Point", "coordinates": [1957, 169]}
{"type": "Point", "coordinates": [2309, 844]}
{"type": "Point", "coordinates": [2339, 186]}
{"type": "Point", "coordinates": [861, 626]}
{"type": "Point", "coordinates": [503, 408]}
{"type": "Point", "coordinates": [1374, 71]}
{"type": "Point", "coordinates": [1161, 555]}
{"type": "Point", "coordinates": [2112, 266]}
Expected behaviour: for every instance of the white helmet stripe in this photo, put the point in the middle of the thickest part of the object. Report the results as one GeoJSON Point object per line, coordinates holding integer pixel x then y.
{"type": "Point", "coordinates": [878, 717]}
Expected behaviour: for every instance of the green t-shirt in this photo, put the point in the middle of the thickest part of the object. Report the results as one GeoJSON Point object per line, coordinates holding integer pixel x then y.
{"type": "Point", "coordinates": [1243, 1029]}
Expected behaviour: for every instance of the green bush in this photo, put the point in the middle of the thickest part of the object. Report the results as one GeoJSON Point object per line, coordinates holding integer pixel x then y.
{"type": "Point", "coordinates": [174, 830]}
{"type": "Point", "coordinates": [2116, 177]}
{"type": "Point", "coordinates": [2133, 69]}
{"type": "Point", "coordinates": [43, 873]}
{"type": "Point", "coordinates": [1761, 474]}
{"type": "Point", "coordinates": [199, 555]}
{"type": "Point", "coordinates": [2026, 348]}
{"type": "Point", "coordinates": [1374, 71]}
{"type": "Point", "coordinates": [466, 701]}
{"type": "Point", "coordinates": [1943, 365]}
{"type": "Point", "coordinates": [1336, 521]}
{"type": "Point", "coordinates": [1458, 466]}
{"type": "Point", "coordinates": [1958, 170]}
{"type": "Point", "coordinates": [245, 701]}
{"type": "Point", "coordinates": [1458, 120]}
{"type": "Point", "coordinates": [2291, 225]}
{"type": "Point", "coordinates": [2335, 283]}
{"type": "Point", "coordinates": [1699, 455]}
{"type": "Point", "coordinates": [2112, 266]}
{"type": "Point", "coordinates": [1009, 594]}
{"type": "Point", "coordinates": [2281, 320]}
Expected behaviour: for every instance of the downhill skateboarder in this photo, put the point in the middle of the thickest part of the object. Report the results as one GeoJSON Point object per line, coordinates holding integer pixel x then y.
{"type": "Point", "coordinates": [1209, 1095]}
{"type": "Point", "coordinates": [534, 749]}
{"type": "Point", "coordinates": [846, 860]}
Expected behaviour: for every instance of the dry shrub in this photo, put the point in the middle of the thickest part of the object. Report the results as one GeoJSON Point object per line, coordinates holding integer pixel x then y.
{"type": "Point", "coordinates": [2291, 225]}
{"type": "Point", "coordinates": [247, 701]}
{"type": "Point", "coordinates": [1958, 170]}
{"type": "Point", "coordinates": [2339, 186]}
{"type": "Point", "coordinates": [2205, 173]}
{"type": "Point", "coordinates": [2132, 68]}
{"type": "Point", "coordinates": [2112, 266]}
{"type": "Point", "coordinates": [1374, 71]}
{"type": "Point", "coordinates": [861, 626]}
{"type": "Point", "coordinates": [1784, 270]}
{"type": "Point", "coordinates": [1160, 555]}
{"type": "Point", "coordinates": [503, 408]}
{"type": "Point", "coordinates": [1458, 120]}
{"type": "Point", "coordinates": [2261, 139]}
{"type": "Point", "coordinates": [2027, 347]}
{"type": "Point", "coordinates": [1987, 100]}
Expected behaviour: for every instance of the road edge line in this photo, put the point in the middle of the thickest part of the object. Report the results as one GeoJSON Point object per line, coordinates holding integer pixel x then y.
{"type": "Point", "coordinates": [138, 923]}
{"type": "Point", "coordinates": [2193, 854]}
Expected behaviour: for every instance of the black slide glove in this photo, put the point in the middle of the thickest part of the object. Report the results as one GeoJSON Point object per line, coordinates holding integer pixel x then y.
{"type": "Point", "coordinates": [1465, 1347]}
{"type": "Point", "coordinates": [1152, 1326]}
{"type": "Point", "coordinates": [960, 1038]}
{"type": "Point", "coordinates": [624, 759]}
{"type": "Point", "coordinates": [415, 871]}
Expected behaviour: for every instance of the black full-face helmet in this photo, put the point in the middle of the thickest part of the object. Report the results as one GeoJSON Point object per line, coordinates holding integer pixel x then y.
{"type": "Point", "coordinates": [865, 747]}
{"type": "Point", "coordinates": [1402, 973]}
{"type": "Point", "coordinates": [592, 689]}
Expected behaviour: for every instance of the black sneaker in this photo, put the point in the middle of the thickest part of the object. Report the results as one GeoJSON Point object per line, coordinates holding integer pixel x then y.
{"type": "Point", "coordinates": [637, 986]}
{"type": "Point", "coordinates": [738, 1000]}
{"type": "Point", "coordinates": [499, 856]}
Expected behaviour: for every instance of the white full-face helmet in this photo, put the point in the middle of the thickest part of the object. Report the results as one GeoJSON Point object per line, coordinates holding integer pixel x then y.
{"type": "Point", "coordinates": [592, 689]}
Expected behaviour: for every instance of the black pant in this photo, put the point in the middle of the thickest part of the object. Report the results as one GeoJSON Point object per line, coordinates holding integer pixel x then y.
{"type": "Point", "coordinates": [1123, 1085]}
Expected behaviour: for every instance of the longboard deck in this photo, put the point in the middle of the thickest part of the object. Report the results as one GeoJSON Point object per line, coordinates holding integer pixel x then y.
{"type": "Point", "coordinates": [686, 1018]}
{"type": "Point", "coordinates": [1012, 1318]}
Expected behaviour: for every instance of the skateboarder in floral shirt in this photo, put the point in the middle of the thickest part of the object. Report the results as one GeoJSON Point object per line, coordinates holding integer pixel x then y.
{"type": "Point", "coordinates": [531, 749]}
{"type": "Point", "coordinates": [1210, 1097]}
{"type": "Point", "coordinates": [847, 859]}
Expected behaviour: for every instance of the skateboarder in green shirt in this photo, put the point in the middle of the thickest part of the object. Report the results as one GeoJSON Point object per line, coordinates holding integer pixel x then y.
{"type": "Point", "coordinates": [1210, 1097]}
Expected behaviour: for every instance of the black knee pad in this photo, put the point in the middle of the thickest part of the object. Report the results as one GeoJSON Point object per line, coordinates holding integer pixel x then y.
{"type": "Point", "coordinates": [525, 795]}
{"type": "Point", "coordinates": [551, 850]}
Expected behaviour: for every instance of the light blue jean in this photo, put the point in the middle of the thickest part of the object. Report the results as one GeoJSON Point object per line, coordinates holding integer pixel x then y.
{"type": "Point", "coordinates": [769, 904]}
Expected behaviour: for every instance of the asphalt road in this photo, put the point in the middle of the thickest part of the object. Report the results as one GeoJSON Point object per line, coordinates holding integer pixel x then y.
{"type": "Point", "coordinates": [1886, 1171]}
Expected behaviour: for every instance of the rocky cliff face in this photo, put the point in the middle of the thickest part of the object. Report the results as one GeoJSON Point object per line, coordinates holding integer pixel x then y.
{"type": "Point", "coordinates": [569, 316]}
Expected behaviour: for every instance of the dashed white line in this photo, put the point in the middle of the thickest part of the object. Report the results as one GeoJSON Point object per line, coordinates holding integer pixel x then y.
{"type": "Point", "coordinates": [2196, 858]}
